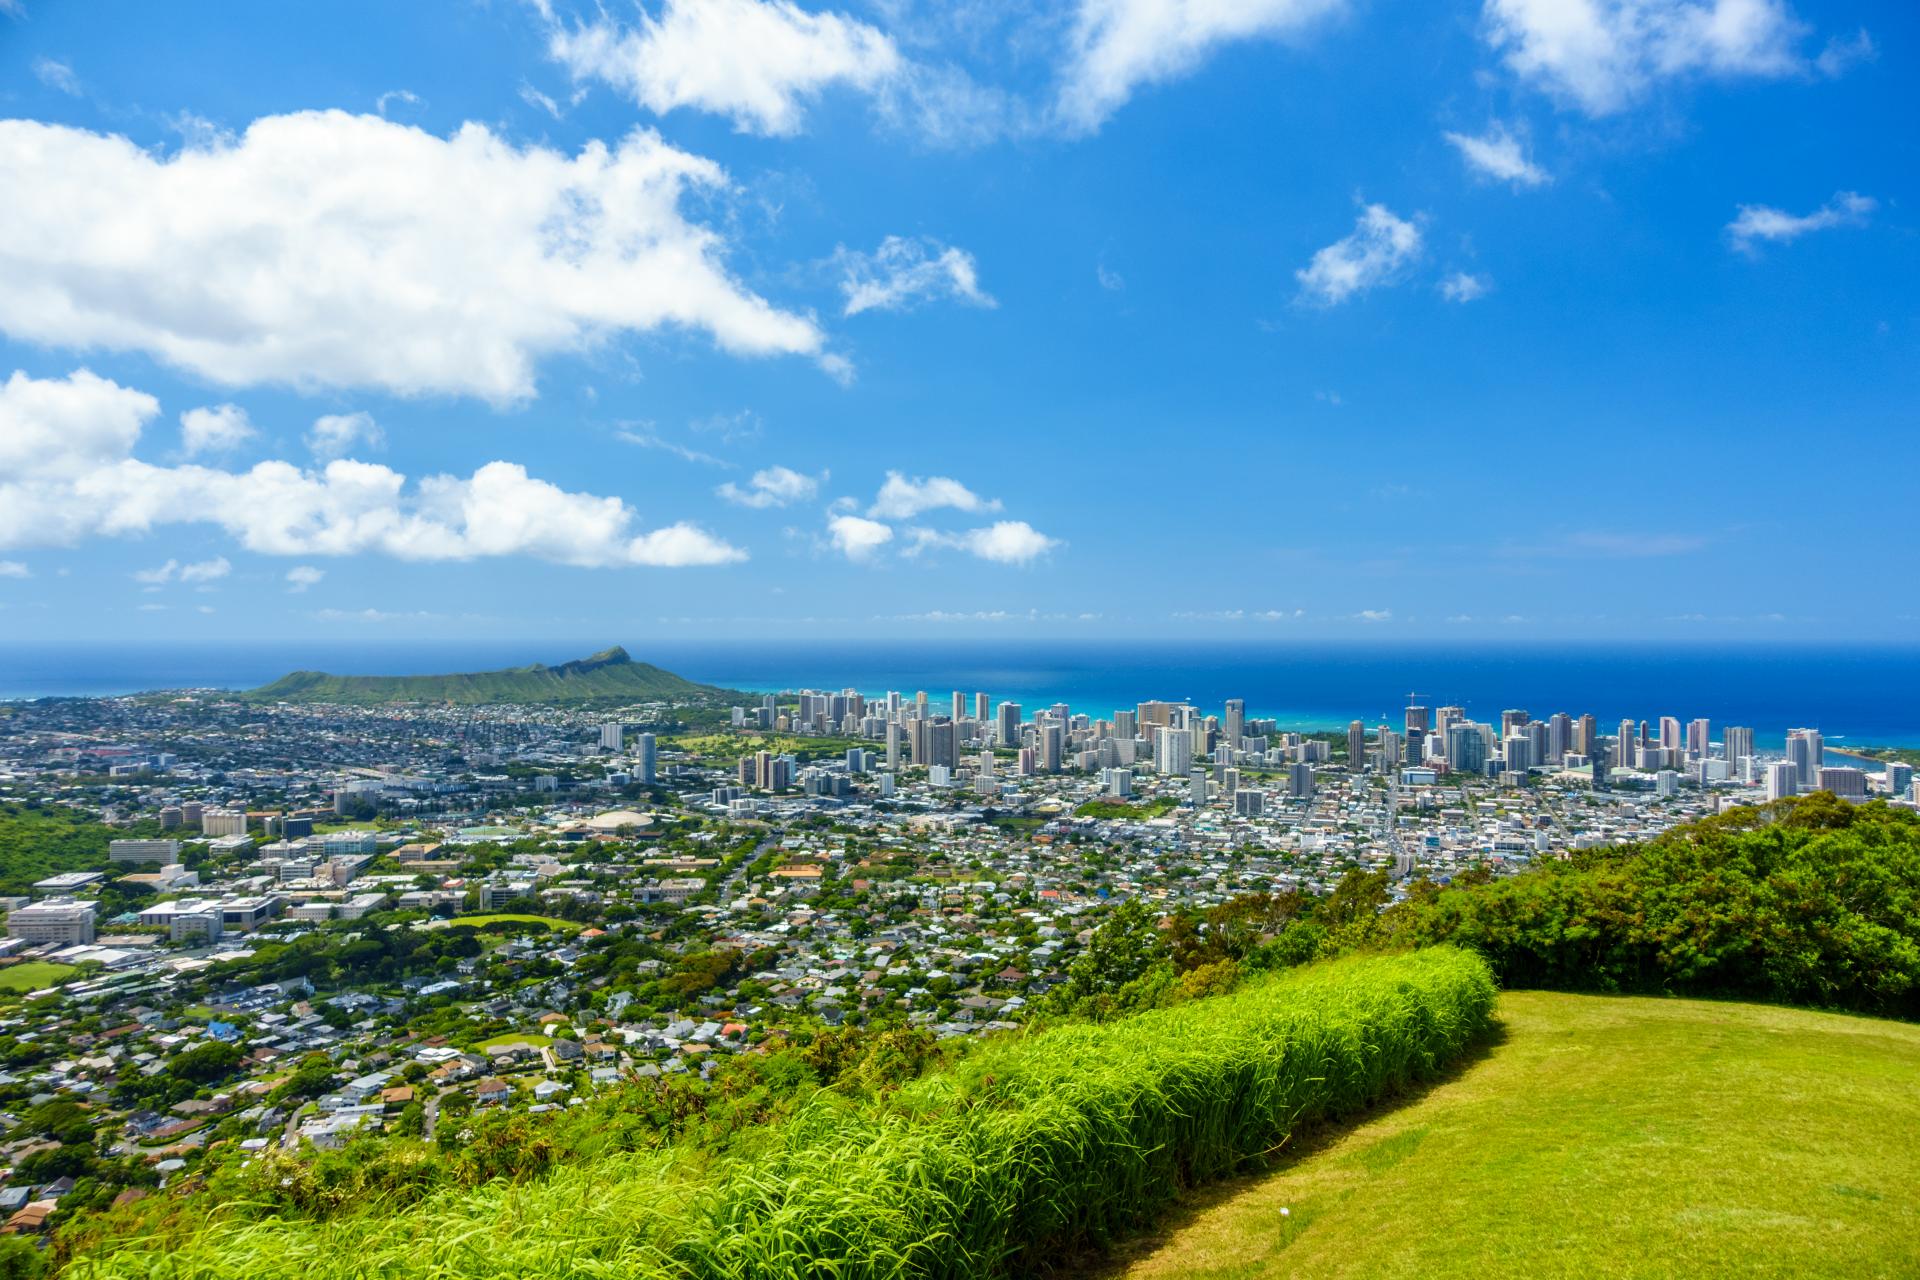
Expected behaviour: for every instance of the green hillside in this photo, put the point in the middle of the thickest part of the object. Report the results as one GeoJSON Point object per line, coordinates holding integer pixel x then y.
{"type": "Point", "coordinates": [1601, 1137]}
{"type": "Point", "coordinates": [610, 675]}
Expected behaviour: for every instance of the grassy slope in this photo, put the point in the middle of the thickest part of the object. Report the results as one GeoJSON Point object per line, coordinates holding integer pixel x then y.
{"type": "Point", "coordinates": [1605, 1137]}
{"type": "Point", "coordinates": [609, 675]}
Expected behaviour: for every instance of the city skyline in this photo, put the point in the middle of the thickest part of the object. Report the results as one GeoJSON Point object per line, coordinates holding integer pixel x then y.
{"type": "Point", "coordinates": [1305, 323]}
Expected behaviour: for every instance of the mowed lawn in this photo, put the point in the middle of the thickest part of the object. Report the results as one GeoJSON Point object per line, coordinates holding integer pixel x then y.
{"type": "Point", "coordinates": [1601, 1137]}
{"type": "Point", "coordinates": [34, 975]}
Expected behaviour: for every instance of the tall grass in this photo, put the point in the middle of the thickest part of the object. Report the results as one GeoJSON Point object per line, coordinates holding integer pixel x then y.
{"type": "Point", "coordinates": [1033, 1145]}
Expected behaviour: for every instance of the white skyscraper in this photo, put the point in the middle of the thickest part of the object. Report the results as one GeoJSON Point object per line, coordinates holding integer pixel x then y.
{"type": "Point", "coordinates": [1783, 779]}
{"type": "Point", "coordinates": [1172, 751]}
{"type": "Point", "coordinates": [613, 736]}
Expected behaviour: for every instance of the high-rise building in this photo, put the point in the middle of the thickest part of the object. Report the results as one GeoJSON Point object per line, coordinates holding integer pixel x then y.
{"type": "Point", "coordinates": [959, 705]}
{"type": "Point", "coordinates": [1626, 748]}
{"type": "Point", "coordinates": [1848, 784]}
{"type": "Point", "coordinates": [1672, 737]}
{"type": "Point", "coordinates": [894, 734]}
{"type": "Point", "coordinates": [1172, 751]}
{"type": "Point", "coordinates": [647, 750]}
{"type": "Point", "coordinates": [1511, 720]}
{"type": "Point", "coordinates": [1300, 781]}
{"type": "Point", "coordinates": [1699, 738]}
{"type": "Point", "coordinates": [1518, 753]}
{"type": "Point", "coordinates": [980, 707]}
{"type": "Point", "coordinates": [1809, 755]}
{"type": "Point", "coordinates": [1466, 748]}
{"type": "Point", "coordinates": [613, 736]}
{"type": "Point", "coordinates": [1126, 724]}
{"type": "Point", "coordinates": [1234, 723]}
{"type": "Point", "coordinates": [1052, 744]}
{"type": "Point", "coordinates": [1356, 746]}
{"type": "Point", "coordinates": [1739, 745]}
{"type": "Point", "coordinates": [1416, 720]}
{"type": "Point", "coordinates": [1154, 715]}
{"type": "Point", "coordinates": [1586, 737]}
{"type": "Point", "coordinates": [1783, 779]}
{"type": "Point", "coordinates": [1007, 727]}
{"type": "Point", "coordinates": [1559, 738]}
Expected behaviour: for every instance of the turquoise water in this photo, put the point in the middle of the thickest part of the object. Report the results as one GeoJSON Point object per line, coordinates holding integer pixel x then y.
{"type": "Point", "coordinates": [1868, 696]}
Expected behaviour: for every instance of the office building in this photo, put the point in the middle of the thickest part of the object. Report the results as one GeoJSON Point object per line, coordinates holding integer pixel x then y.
{"type": "Point", "coordinates": [161, 851]}
{"type": "Point", "coordinates": [1356, 746]}
{"type": "Point", "coordinates": [57, 921]}
{"type": "Point", "coordinates": [1234, 723]}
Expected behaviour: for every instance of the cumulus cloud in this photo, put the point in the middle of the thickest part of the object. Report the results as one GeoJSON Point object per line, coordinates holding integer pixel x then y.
{"type": "Point", "coordinates": [1498, 154]}
{"type": "Point", "coordinates": [1004, 542]}
{"type": "Point", "coordinates": [174, 571]}
{"type": "Point", "coordinates": [1757, 223]}
{"type": "Point", "coordinates": [326, 249]}
{"type": "Point", "coordinates": [773, 487]}
{"type": "Point", "coordinates": [904, 272]}
{"type": "Point", "coordinates": [757, 62]}
{"type": "Point", "coordinates": [1602, 56]}
{"type": "Point", "coordinates": [858, 538]}
{"type": "Point", "coordinates": [1462, 286]}
{"type": "Point", "coordinates": [303, 576]}
{"type": "Point", "coordinates": [67, 471]}
{"type": "Point", "coordinates": [901, 498]}
{"type": "Point", "coordinates": [214, 429]}
{"type": "Point", "coordinates": [1118, 45]}
{"type": "Point", "coordinates": [1380, 247]}
{"type": "Point", "coordinates": [335, 435]}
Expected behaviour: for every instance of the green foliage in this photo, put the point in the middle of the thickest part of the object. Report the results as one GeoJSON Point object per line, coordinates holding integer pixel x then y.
{"type": "Point", "coordinates": [1811, 902]}
{"type": "Point", "coordinates": [1028, 1147]}
{"type": "Point", "coordinates": [37, 841]}
{"type": "Point", "coordinates": [206, 1063]}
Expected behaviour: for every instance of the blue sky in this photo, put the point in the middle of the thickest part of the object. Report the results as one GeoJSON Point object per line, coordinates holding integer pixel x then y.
{"type": "Point", "coordinates": [1281, 318]}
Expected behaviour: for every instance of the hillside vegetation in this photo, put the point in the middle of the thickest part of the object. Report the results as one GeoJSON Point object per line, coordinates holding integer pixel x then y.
{"type": "Point", "coordinates": [1813, 901]}
{"type": "Point", "coordinates": [1602, 1137]}
{"type": "Point", "coordinates": [610, 675]}
{"type": "Point", "coordinates": [1025, 1147]}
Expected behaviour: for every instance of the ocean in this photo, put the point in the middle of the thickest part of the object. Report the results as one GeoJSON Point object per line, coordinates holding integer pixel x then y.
{"type": "Point", "coordinates": [1857, 695]}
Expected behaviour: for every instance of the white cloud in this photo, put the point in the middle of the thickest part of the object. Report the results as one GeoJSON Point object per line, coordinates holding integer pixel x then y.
{"type": "Point", "coordinates": [757, 62]}
{"type": "Point", "coordinates": [1604, 55]}
{"type": "Point", "coordinates": [303, 576]}
{"type": "Point", "coordinates": [1379, 248]}
{"type": "Point", "coordinates": [1756, 223]}
{"type": "Point", "coordinates": [57, 75]}
{"type": "Point", "coordinates": [1374, 615]}
{"type": "Point", "coordinates": [773, 487]}
{"type": "Point", "coordinates": [1118, 45]}
{"type": "Point", "coordinates": [1109, 279]}
{"type": "Point", "coordinates": [174, 571]}
{"type": "Point", "coordinates": [392, 96]}
{"type": "Point", "coordinates": [858, 538]}
{"type": "Point", "coordinates": [323, 249]}
{"type": "Point", "coordinates": [1841, 54]}
{"type": "Point", "coordinates": [1004, 542]}
{"type": "Point", "coordinates": [67, 471]}
{"type": "Point", "coordinates": [903, 272]}
{"type": "Point", "coordinates": [335, 435]}
{"type": "Point", "coordinates": [14, 569]}
{"type": "Point", "coordinates": [534, 98]}
{"type": "Point", "coordinates": [214, 429]}
{"type": "Point", "coordinates": [1464, 287]}
{"type": "Point", "coordinates": [1499, 154]}
{"type": "Point", "coordinates": [901, 498]}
